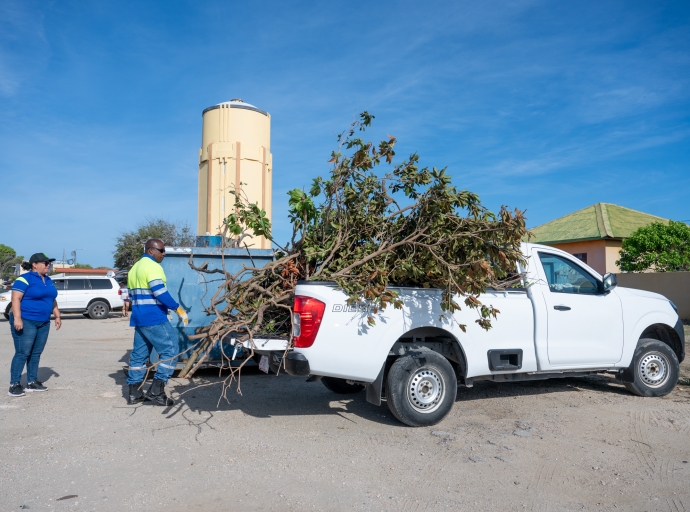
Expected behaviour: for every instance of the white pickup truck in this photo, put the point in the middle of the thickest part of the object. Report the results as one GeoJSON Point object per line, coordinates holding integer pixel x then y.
{"type": "Point", "coordinates": [566, 321]}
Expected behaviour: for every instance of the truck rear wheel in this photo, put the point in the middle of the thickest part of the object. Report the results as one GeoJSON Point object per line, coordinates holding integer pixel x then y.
{"type": "Point", "coordinates": [341, 386]}
{"type": "Point", "coordinates": [421, 388]}
{"type": "Point", "coordinates": [655, 369]}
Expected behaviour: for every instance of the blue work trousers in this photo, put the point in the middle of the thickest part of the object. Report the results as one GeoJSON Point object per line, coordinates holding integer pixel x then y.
{"type": "Point", "coordinates": [28, 347]}
{"type": "Point", "coordinates": [162, 337]}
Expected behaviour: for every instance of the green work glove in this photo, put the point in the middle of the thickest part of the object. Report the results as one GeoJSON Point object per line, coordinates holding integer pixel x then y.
{"type": "Point", "coordinates": [183, 315]}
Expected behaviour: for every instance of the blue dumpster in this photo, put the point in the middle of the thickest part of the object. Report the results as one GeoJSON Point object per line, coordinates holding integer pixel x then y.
{"type": "Point", "coordinates": [194, 290]}
{"type": "Point", "coordinates": [209, 241]}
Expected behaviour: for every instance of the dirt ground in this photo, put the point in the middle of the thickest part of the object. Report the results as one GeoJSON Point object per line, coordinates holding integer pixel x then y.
{"type": "Point", "coordinates": [285, 444]}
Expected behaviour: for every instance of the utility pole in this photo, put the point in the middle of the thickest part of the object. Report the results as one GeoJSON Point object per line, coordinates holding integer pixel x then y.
{"type": "Point", "coordinates": [74, 254]}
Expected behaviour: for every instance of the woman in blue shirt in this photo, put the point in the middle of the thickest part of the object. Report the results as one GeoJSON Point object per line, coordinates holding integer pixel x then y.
{"type": "Point", "coordinates": [33, 301]}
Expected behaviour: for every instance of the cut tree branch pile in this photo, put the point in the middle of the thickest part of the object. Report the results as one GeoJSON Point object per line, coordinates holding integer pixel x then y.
{"type": "Point", "coordinates": [371, 229]}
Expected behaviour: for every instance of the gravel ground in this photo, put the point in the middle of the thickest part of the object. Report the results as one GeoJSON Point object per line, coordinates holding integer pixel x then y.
{"type": "Point", "coordinates": [285, 444]}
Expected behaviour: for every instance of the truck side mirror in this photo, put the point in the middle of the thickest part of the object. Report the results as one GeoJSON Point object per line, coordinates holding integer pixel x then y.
{"type": "Point", "coordinates": [610, 282]}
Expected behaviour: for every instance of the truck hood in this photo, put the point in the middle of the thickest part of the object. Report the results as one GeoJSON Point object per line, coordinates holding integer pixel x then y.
{"type": "Point", "coordinates": [640, 293]}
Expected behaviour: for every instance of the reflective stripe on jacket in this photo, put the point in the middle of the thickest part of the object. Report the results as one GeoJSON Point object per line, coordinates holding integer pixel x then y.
{"type": "Point", "coordinates": [39, 296]}
{"type": "Point", "coordinates": [150, 298]}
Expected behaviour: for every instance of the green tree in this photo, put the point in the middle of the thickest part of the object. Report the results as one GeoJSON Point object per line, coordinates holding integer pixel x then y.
{"type": "Point", "coordinates": [659, 247]}
{"type": "Point", "coordinates": [130, 245]}
{"type": "Point", "coordinates": [8, 259]}
{"type": "Point", "coordinates": [82, 265]}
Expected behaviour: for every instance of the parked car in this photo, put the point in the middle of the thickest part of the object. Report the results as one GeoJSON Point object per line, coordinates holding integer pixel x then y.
{"type": "Point", "coordinates": [93, 296]}
{"type": "Point", "coordinates": [121, 276]}
{"type": "Point", "coordinates": [565, 321]}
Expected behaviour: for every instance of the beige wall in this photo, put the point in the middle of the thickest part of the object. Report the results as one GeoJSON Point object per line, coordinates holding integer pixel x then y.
{"type": "Point", "coordinates": [673, 285]}
{"type": "Point", "coordinates": [613, 254]}
{"type": "Point", "coordinates": [595, 249]}
{"type": "Point", "coordinates": [601, 254]}
{"type": "Point", "coordinates": [235, 154]}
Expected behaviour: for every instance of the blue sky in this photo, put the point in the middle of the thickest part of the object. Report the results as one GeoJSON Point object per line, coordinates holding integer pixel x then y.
{"type": "Point", "coordinates": [544, 106]}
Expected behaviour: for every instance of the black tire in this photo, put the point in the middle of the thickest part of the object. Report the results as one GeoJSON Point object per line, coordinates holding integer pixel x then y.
{"type": "Point", "coordinates": [6, 313]}
{"type": "Point", "coordinates": [655, 369]}
{"type": "Point", "coordinates": [421, 388]}
{"type": "Point", "coordinates": [275, 362]}
{"type": "Point", "coordinates": [99, 310]}
{"type": "Point", "coordinates": [341, 386]}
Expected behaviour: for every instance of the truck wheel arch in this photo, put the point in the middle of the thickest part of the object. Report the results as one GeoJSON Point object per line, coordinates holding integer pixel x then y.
{"type": "Point", "coordinates": [437, 340]}
{"type": "Point", "coordinates": [667, 335]}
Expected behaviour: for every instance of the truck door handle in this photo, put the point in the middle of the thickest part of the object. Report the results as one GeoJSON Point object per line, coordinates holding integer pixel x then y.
{"type": "Point", "coordinates": [561, 308]}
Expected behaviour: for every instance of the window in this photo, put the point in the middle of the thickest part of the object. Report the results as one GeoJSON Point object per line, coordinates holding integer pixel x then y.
{"type": "Point", "coordinates": [582, 256]}
{"type": "Point", "coordinates": [101, 284]}
{"type": "Point", "coordinates": [77, 284]}
{"type": "Point", "coordinates": [59, 285]}
{"type": "Point", "coordinates": [565, 276]}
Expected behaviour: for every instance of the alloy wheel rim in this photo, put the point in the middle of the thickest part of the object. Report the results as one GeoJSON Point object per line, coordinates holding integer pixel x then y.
{"type": "Point", "coordinates": [426, 389]}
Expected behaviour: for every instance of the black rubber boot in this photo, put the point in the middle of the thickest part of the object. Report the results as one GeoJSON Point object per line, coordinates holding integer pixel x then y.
{"type": "Point", "coordinates": [156, 394]}
{"type": "Point", "coordinates": [135, 394]}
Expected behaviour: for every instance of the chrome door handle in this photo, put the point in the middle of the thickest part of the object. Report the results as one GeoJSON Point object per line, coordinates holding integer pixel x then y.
{"type": "Point", "coordinates": [561, 308]}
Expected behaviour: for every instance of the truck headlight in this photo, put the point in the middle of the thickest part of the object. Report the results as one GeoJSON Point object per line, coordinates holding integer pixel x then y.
{"type": "Point", "coordinates": [673, 306]}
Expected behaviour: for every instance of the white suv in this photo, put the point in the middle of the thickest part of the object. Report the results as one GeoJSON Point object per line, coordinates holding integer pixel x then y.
{"type": "Point", "coordinates": [93, 296]}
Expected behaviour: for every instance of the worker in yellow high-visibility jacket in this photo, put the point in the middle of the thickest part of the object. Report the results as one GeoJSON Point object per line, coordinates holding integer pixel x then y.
{"type": "Point", "coordinates": [152, 329]}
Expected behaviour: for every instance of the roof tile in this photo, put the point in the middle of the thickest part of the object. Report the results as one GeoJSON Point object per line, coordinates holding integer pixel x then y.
{"type": "Point", "coordinates": [599, 221]}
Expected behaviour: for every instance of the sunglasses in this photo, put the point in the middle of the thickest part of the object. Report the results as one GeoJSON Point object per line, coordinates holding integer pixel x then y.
{"type": "Point", "coordinates": [46, 263]}
{"type": "Point", "coordinates": [162, 251]}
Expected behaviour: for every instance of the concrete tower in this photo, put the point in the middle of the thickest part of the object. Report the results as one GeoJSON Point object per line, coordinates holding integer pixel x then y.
{"type": "Point", "coordinates": [235, 150]}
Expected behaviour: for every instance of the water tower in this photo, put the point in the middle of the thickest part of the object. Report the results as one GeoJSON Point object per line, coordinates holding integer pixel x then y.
{"type": "Point", "coordinates": [235, 154]}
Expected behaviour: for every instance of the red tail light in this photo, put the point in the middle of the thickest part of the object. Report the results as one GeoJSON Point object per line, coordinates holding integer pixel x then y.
{"type": "Point", "coordinates": [119, 292]}
{"type": "Point", "coordinates": [306, 320]}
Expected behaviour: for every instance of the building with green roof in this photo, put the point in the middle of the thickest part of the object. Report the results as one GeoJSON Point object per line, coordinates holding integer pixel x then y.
{"type": "Point", "coordinates": [594, 234]}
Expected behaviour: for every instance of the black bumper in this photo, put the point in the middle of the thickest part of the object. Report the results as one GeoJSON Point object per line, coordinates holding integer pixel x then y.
{"type": "Point", "coordinates": [681, 335]}
{"type": "Point", "coordinates": [296, 364]}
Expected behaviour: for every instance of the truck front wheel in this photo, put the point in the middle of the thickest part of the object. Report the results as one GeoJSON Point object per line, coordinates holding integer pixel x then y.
{"type": "Point", "coordinates": [421, 388]}
{"type": "Point", "coordinates": [655, 369]}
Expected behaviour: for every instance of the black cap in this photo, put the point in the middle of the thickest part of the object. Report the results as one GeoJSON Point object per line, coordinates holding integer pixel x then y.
{"type": "Point", "coordinates": [40, 256]}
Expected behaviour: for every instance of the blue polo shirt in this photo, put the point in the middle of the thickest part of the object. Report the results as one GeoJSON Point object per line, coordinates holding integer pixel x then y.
{"type": "Point", "coordinates": [37, 302]}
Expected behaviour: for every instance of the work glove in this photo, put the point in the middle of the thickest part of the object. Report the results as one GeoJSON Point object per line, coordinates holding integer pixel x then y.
{"type": "Point", "coordinates": [183, 315]}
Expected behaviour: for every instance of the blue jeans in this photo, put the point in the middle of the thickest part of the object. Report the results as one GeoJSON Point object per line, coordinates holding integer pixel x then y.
{"type": "Point", "coordinates": [28, 347]}
{"type": "Point", "coordinates": [162, 337]}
